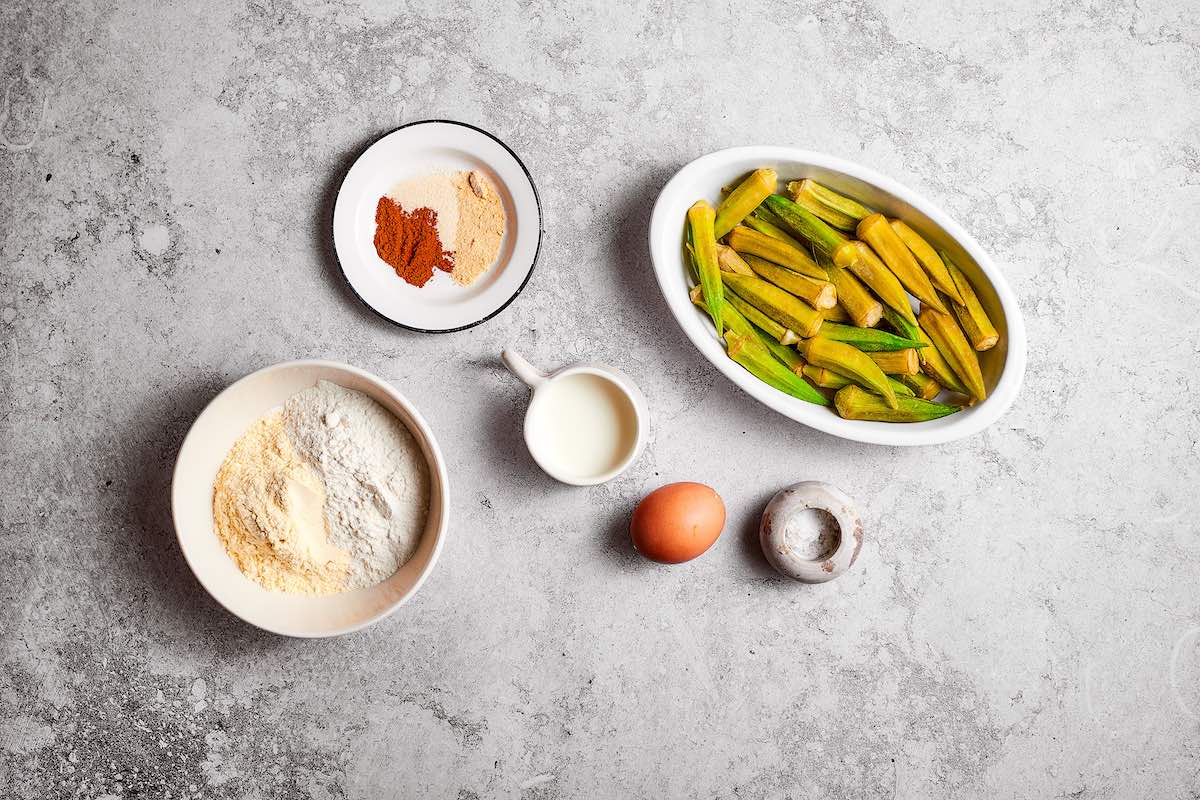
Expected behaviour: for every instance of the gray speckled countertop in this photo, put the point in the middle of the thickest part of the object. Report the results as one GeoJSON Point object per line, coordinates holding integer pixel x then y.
{"type": "Point", "coordinates": [1024, 620]}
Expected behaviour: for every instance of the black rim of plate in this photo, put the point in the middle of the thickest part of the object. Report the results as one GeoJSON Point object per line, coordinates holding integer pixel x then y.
{"type": "Point", "coordinates": [537, 200]}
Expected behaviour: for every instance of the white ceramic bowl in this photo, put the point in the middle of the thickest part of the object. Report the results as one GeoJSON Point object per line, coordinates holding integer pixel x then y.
{"type": "Point", "coordinates": [1003, 366]}
{"type": "Point", "coordinates": [212, 435]}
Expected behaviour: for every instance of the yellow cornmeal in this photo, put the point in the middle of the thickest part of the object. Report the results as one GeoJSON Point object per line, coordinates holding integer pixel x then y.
{"type": "Point", "coordinates": [268, 505]}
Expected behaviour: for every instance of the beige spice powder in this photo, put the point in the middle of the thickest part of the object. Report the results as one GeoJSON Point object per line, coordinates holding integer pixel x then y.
{"type": "Point", "coordinates": [481, 226]}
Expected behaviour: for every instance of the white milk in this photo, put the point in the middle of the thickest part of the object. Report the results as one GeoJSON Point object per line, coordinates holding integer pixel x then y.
{"type": "Point", "coordinates": [582, 425]}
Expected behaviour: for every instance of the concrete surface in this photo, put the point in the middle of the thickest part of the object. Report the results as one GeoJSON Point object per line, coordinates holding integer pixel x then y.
{"type": "Point", "coordinates": [1024, 621]}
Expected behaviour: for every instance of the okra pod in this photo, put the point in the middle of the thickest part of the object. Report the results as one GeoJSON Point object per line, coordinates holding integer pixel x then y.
{"type": "Point", "coordinates": [780, 333]}
{"type": "Point", "coordinates": [935, 268]}
{"type": "Point", "coordinates": [761, 223]}
{"type": "Point", "coordinates": [854, 403]}
{"type": "Point", "coordinates": [852, 363]}
{"type": "Point", "coordinates": [948, 338]}
{"type": "Point", "coordinates": [974, 320]}
{"type": "Point", "coordinates": [704, 253]}
{"type": "Point", "coordinates": [744, 199]}
{"type": "Point", "coordinates": [861, 308]}
{"type": "Point", "coordinates": [818, 294]}
{"type": "Point", "coordinates": [735, 322]}
{"type": "Point", "coordinates": [754, 356]}
{"type": "Point", "coordinates": [896, 362]}
{"type": "Point", "coordinates": [921, 385]}
{"type": "Point", "coordinates": [729, 261]}
{"type": "Point", "coordinates": [862, 261]}
{"type": "Point", "coordinates": [810, 227]}
{"type": "Point", "coordinates": [838, 210]}
{"type": "Point", "coordinates": [828, 379]}
{"type": "Point", "coordinates": [875, 231]}
{"type": "Point", "coordinates": [748, 241]}
{"type": "Point", "coordinates": [869, 340]}
{"type": "Point", "coordinates": [932, 361]}
{"type": "Point", "coordinates": [786, 309]}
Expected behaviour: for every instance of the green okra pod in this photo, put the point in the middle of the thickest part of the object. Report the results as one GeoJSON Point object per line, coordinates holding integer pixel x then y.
{"type": "Point", "coordinates": [862, 261]}
{"type": "Point", "coordinates": [749, 241]}
{"type": "Point", "coordinates": [980, 331]}
{"type": "Point", "coordinates": [948, 338]}
{"type": "Point", "coordinates": [704, 254]}
{"type": "Point", "coordinates": [759, 362]}
{"type": "Point", "coordinates": [930, 260]}
{"type": "Point", "coordinates": [852, 402]}
{"type": "Point", "coordinates": [852, 363]}
{"type": "Point", "coordinates": [875, 231]}
{"type": "Point", "coordinates": [838, 210]}
{"type": "Point", "coordinates": [861, 308]}
{"type": "Point", "coordinates": [826, 378]}
{"type": "Point", "coordinates": [869, 340]}
{"type": "Point", "coordinates": [810, 227]}
{"type": "Point", "coordinates": [761, 223]}
{"type": "Point", "coordinates": [818, 294]}
{"type": "Point", "coordinates": [744, 199]}
{"type": "Point", "coordinates": [736, 322]}
{"type": "Point", "coordinates": [786, 309]}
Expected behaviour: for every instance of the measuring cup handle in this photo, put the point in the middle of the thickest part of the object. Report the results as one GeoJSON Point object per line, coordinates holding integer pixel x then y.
{"type": "Point", "coordinates": [518, 366]}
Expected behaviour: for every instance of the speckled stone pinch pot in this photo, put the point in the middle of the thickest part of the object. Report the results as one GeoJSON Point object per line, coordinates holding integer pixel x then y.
{"type": "Point", "coordinates": [811, 532]}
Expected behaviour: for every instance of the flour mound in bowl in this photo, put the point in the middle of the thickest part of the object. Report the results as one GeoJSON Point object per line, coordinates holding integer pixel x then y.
{"type": "Point", "coordinates": [329, 493]}
{"type": "Point", "coordinates": [376, 479]}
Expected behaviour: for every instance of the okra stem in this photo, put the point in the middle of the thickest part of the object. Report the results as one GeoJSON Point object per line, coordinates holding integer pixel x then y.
{"type": "Point", "coordinates": [860, 307]}
{"type": "Point", "coordinates": [896, 362]}
{"type": "Point", "coordinates": [729, 261]}
{"type": "Point", "coordinates": [922, 385]}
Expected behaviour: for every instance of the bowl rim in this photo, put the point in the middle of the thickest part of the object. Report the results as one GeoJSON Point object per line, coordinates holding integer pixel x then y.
{"type": "Point", "coordinates": [665, 227]}
{"type": "Point", "coordinates": [437, 467]}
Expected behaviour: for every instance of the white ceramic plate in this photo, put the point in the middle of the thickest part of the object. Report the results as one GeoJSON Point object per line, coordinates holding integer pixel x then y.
{"type": "Point", "coordinates": [1003, 366]}
{"type": "Point", "coordinates": [423, 148]}
{"type": "Point", "coordinates": [212, 435]}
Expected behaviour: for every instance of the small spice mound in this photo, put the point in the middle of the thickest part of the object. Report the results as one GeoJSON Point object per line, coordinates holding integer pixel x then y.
{"type": "Point", "coordinates": [409, 242]}
{"type": "Point", "coordinates": [480, 227]}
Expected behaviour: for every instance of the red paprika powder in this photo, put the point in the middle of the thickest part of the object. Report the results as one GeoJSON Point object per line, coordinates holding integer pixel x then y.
{"type": "Point", "coordinates": [409, 242]}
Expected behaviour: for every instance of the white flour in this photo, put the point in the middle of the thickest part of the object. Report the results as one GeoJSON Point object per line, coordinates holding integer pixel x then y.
{"type": "Point", "coordinates": [376, 479]}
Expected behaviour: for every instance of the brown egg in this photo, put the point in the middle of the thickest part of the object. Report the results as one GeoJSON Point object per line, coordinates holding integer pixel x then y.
{"type": "Point", "coordinates": [677, 522]}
